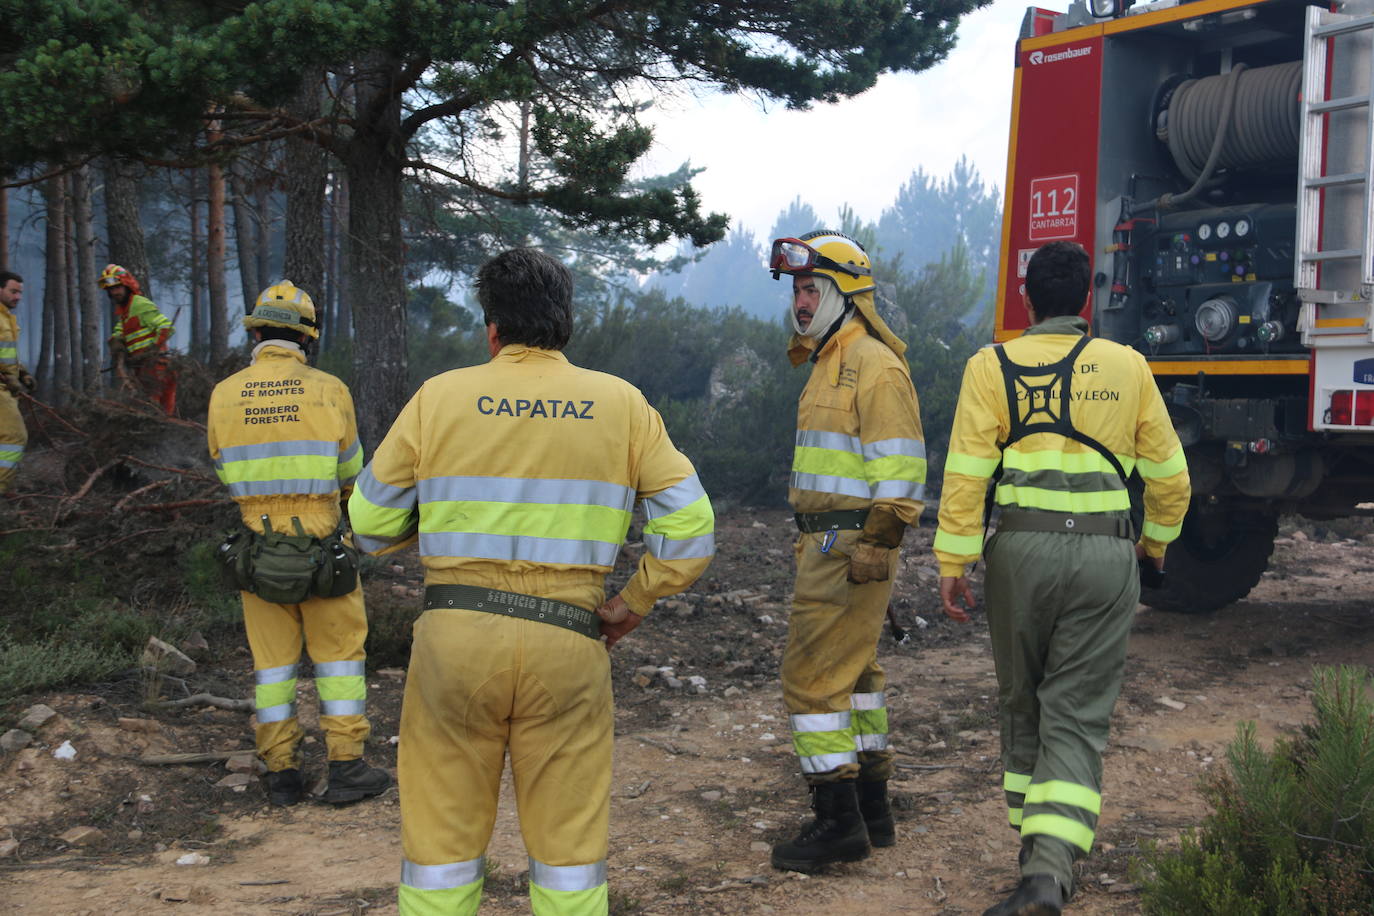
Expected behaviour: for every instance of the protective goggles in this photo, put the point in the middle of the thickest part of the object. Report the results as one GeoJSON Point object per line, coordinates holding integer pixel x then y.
{"type": "Point", "coordinates": [795, 256]}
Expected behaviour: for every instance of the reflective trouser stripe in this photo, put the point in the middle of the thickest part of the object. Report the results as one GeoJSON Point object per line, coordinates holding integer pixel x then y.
{"type": "Point", "coordinates": [568, 890]}
{"type": "Point", "coordinates": [869, 721]}
{"type": "Point", "coordinates": [441, 890]}
{"type": "Point", "coordinates": [1060, 827]}
{"type": "Point", "coordinates": [1015, 786]}
{"type": "Point", "coordinates": [1060, 792]}
{"type": "Point", "coordinates": [10, 455]}
{"type": "Point", "coordinates": [342, 688]}
{"type": "Point", "coordinates": [274, 693]}
{"type": "Point", "coordinates": [824, 741]}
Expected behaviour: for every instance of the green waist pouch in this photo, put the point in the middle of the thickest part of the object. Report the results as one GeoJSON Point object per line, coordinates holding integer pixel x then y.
{"type": "Point", "coordinates": [289, 568]}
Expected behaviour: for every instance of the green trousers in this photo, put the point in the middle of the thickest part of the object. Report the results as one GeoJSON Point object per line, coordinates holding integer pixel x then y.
{"type": "Point", "coordinates": [1060, 608]}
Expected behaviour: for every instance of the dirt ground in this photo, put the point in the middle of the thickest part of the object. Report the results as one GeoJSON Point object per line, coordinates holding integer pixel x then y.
{"type": "Point", "coordinates": [705, 778]}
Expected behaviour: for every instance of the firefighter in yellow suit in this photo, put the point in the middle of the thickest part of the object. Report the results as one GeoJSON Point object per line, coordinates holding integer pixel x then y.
{"type": "Point", "coordinates": [520, 476]}
{"type": "Point", "coordinates": [858, 478]}
{"type": "Point", "coordinates": [285, 441]}
{"type": "Point", "coordinates": [1062, 582]}
{"type": "Point", "coordinates": [13, 378]}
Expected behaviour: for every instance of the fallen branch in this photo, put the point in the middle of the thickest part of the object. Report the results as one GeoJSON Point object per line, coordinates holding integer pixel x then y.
{"type": "Point", "coordinates": [263, 883]}
{"type": "Point", "coordinates": [127, 537]}
{"type": "Point", "coordinates": [57, 416]}
{"type": "Point", "coordinates": [154, 760]}
{"type": "Point", "coordinates": [90, 482]}
{"type": "Point", "coordinates": [206, 699]}
{"type": "Point", "coordinates": [156, 484]}
{"type": "Point", "coordinates": [183, 504]}
{"type": "Point", "coordinates": [187, 472]}
{"type": "Point", "coordinates": [733, 885]}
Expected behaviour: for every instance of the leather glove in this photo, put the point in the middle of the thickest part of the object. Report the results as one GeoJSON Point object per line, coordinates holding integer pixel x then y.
{"type": "Point", "coordinates": [28, 381]}
{"type": "Point", "coordinates": [868, 563]}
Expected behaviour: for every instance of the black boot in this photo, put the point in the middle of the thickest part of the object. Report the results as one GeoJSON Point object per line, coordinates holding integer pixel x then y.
{"type": "Point", "coordinates": [882, 829]}
{"type": "Point", "coordinates": [1036, 895]}
{"type": "Point", "coordinates": [285, 787]}
{"type": "Point", "coordinates": [352, 780]}
{"type": "Point", "coordinates": [836, 835]}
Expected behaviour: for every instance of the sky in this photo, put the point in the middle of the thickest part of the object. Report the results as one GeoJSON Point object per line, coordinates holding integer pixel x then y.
{"type": "Point", "coordinates": [758, 158]}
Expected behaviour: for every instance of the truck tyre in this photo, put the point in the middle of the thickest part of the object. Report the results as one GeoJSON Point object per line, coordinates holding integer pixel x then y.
{"type": "Point", "coordinates": [1217, 559]}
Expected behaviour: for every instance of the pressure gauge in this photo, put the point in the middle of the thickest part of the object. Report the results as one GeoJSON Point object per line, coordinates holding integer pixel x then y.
{"type": "Point", "coordinates": [1242, 228]}
{"type": "Point", "coordinates": [1223, 230]}
{"type": "Point", "coordinates": [1204, 232]}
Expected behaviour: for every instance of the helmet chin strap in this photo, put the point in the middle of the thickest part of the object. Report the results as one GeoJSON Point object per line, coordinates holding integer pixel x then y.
{"type": "Point", "coordinates": [829, 311]}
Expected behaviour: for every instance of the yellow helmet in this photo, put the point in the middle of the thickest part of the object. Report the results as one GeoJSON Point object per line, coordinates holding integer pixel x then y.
{"type": "Point", "coordinates": [828, 253]}
{"type": "Point", "coordinates": [113, 275]}
{"type": "Point", "coordinates": [284, 305]}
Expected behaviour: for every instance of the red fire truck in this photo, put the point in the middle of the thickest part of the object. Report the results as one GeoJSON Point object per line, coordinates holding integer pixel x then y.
{"type": "Point", "coordinates": [1214, 158]}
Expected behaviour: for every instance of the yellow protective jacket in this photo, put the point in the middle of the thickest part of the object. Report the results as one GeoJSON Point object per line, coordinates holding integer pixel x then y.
{"type": "Point", "coordinates": [859, 442]}
{"type": "Point", "coordinates": [9, 344]}
{"type": "Point", "coordinates": [139, 325]}
{"type": "Point", "coordinates": [284, 439]}
{"type": "Point", "coordinates": [522, 473]}
{"type": "Point", "coordinates": [1114, 400]}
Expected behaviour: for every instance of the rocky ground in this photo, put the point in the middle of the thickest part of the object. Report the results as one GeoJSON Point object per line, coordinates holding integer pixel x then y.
{"type": "Point", "coordinates": [705, 779]}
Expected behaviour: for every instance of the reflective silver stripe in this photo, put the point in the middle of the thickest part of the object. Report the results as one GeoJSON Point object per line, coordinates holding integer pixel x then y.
{"type": "Point", "coordinates": [550, 490]}
{"type": "Point", "coordinates": [369, 544]}
{"type": "Point", "coordinates": [839, 442]}
{"type": "Point", "coordinates": [351, 452]}
{"type": "Point", "coordinates": [343, 707]}
{"type": "Point", "coordinates": [275, 675]}
{"type": "Point", "coordinates": [567, 877]}
{"type": "Point", "coordinates": [303, 486]}
{"type": "Point", "coordinates": [290, 449]}
{"type": "Point", "coordinates": [442, 877]}
{"type": "Point", "coordinates": [514, 547]}
{"type": "Point", "coordinates": [384, 495]}
{"type": "Point", "coordinates": [679, 496]}
{"type": "Point", "coordinates": [821, 722]}
{"type": "Point", "coordinates": [899, 489]}
{"type": "Point", "coordinates": [868, 700]}
{"type": "Point", "coordinates": [824, 483]}
{"type": "Point", "coordinates": [824, 763]}
{"type": "Point", "coordinates": [883, 448]}
{"type": "Point", "coordinates": [686, 549]}
{"type": "Point", "coordinates": [277, 713]}
{"type": "Point", "coordinates": [341, 669]}
{"type": "Point", "coordinates": [870, 742]}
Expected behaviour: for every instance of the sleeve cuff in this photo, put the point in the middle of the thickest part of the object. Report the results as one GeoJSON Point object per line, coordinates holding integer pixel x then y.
{"type": "Point", "coordinates": [636, 598]}
{"type": "Point", "coordinates": [952, 570]}
{"type": "Point", "coordinates": [1152, 547]}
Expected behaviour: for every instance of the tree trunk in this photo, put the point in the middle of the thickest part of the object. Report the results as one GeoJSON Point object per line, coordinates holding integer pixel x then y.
{"type": "Point", "coordinates": [198, 330]}
{"type": "Point", "coordinates": [329, 304]}
{"type": "Point", "coordinates": [86, 277]}
{"type": "Point", "coordinates": [122, 223]}
{"type": "Point", "coordinates": [307, 170]}
{"type": "Point", "coordinates": [375, 268]}
{"type": "Point", "coordinates": [343, 303]}
{"type": "Point", "coordinates": [214, 261]}
{"type": "Point", "coordinates": [78, 379]}
{"type": "Point", "coordinates": [262, 207]}
{"type": "Point", "coordinates": [54, 366]}
{"type": "Point", "coordinates": [4, 228]}
{"type": "Point", "coordinates": [245, 234]}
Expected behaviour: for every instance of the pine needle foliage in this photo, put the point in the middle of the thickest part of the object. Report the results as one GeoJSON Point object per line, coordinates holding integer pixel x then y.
{"type": "Point", "coordinates": [1293, 827]}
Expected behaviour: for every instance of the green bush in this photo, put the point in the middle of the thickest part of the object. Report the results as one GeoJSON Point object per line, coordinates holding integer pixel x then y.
{"type": "Point", "coordinates": [1293, 828]}
{"type": "Point", "coordinates": [29, 666]}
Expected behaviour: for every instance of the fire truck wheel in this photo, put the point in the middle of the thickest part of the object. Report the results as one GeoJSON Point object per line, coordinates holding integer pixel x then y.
{"type": "Point", "coordinates": [1217, 559]}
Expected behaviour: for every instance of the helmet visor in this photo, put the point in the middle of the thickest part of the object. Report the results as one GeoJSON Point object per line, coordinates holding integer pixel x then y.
{"type": "Point", "coordinates": [792, 255]}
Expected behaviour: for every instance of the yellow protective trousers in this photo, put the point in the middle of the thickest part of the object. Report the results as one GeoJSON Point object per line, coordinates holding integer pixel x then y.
{"type": "Point", "coordinates": [13, 437]}
{"type": "Point", "coordinates": [832, 683]}
{"type": "Point", "coordinates": [333, 630]}
{"type": "Point", "coordinates": [480, 684]}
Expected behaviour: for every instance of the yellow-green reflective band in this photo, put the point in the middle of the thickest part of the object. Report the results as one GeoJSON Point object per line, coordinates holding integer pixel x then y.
{"type": "Point", "coordinates": [970, 465]}
{"type": "Point", "coordinates": [827, 462]}
{"type": "Point", "coordinates": [1016, 782]}
{"type": "Point", "coordinates": [896, 467]}
{"type": "Point", "coordinates": [277, 694]}
{"type": "Point", "coordinates": [592, 902]}
{"type": "Point", "coordinates": [1061, 828]}
{"type": "Point", "coordinates": [1059, 501]}
{"type": "Point", "coordinates": [1167, 468]}
{"type": "Point", "coordinates": [8, 352]}
{"type": "Point", "coordinates": [870, 721]}
{"type": "Point", "coordinates": [448, 901]}
{"type": "Point", "coordinates": [817, 744]}
{"type": "Point", "coordinates": [378, 521]}
{"type": "Point", "coordinates": [536, 520]}
{"type": "Point", "coordinates": [353, 466]}
{"type": "Point", "coordinates": [348, 687]}
{"type": "Point", "coordinates": [959, 544]}
{"type": "Point", "coordinates": [1059, 792]}
{"type": "Point", "coordinates": [694, 519]}
{"type": "Point", "coordinates": [1162, 533]}
{"type": "Point", "coordinates": [1014, 816]}
{"type": "Point", "coordinates": [292, 467]}
{"type": "Point", "coordinates": [1068, 462]}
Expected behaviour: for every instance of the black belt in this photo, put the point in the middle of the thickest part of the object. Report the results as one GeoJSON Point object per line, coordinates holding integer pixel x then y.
{"type": "Point", "coordinates": [514, 604]}
{"type": "Point", "coordinates": [1066, 523]}
{"type": "Point", "coordinates": [842, 519]}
